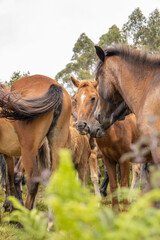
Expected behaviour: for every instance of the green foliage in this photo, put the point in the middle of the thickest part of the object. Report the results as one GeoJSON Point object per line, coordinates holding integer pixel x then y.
{"type": "Point", "coordinates": [84, 53]}
{"type": "Point", "coordinates": [134, 30]}
{"type": "Point", "coordinates": [33, 222]}
{"type": "Point", "coordinates": [81, 65]}
{"type": "Point", "coordinates": [153, 31]}
{"type": "Point", "coordinates": [112, 36]}
{"type": "Point", "coordinates": [17, 75]}
{"type": "Point", "coordinates": [78, 214]}
{"type": "Point", "coordinates": [137, 31]}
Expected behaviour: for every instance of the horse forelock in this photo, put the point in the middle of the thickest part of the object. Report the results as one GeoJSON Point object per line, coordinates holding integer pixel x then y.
{"type": "Point", "coordinates": [85, 83]}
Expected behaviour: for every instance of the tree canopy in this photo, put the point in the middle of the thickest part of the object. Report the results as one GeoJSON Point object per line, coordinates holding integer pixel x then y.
{"type": "Point", "coordinates": [112, 36]}
{"type": "Point", "coordinates": [82, 61]}
{"type": "Point", "coordinates": [138, 31]}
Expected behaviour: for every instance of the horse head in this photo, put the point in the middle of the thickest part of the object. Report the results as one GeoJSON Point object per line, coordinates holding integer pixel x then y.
{"type": "Point", "coordinates": [111, 106]}
{"type": "Point", "coordinates": [86, 100]}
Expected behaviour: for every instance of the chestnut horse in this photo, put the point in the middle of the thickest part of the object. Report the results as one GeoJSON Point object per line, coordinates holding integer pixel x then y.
{"type": "Point", "coordinates": [36, 107]}
{"type": "Point", "coordinates": [86, 144]}
{"type": "Point", "coordinates": [126, 74]}
{"type": "Point", "coordinates": [113, 142]}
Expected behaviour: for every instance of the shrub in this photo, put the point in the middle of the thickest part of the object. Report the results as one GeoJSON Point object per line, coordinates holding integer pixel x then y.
{"type": "Point", "coordinates": [78, 214]}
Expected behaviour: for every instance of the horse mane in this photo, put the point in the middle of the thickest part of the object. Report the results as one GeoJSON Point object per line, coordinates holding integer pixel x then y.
{"type": "Point", "coordinates": [131, 54]}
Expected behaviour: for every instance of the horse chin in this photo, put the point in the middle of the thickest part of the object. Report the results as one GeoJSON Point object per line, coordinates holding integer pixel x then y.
{"type": "Point", "coordinates": [98, 133]}
{"type": "Point", "coordinates": [82, 131]}
{"type": "Point", "coordinates": [106, 123]}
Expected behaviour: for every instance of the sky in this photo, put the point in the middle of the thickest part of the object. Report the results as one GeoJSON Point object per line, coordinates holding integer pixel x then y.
{"type": "Point", "coordinates": [39, 35]}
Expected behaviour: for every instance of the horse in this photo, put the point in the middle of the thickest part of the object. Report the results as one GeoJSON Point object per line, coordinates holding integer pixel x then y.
{"type": "Point", "coordinates": [79, 146]}
{"type": "Point", "coordinates": [36, 107]}
{"type": "Point", "coordinates": [127, 75]}
{"type": "Point", "coordinates": [113, 142]}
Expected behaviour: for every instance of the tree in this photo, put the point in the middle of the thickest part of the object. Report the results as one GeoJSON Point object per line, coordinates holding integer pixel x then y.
{"type": "Point", "coordinates": [16, 75]}
{"type": "Point", "coordinates": [135, 29]}
{"type": "Point", "coordinates": [153, 31]}
{"type": "Point", "coordinates": [84, 53]}
{"type": "Point", "coordinates": [81, 64]}
{"type": "Point", "coordinates": [112, 36]}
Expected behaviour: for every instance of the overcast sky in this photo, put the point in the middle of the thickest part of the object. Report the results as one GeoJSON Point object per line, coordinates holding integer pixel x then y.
{"type": "Point", "coordinates": [39, 35]}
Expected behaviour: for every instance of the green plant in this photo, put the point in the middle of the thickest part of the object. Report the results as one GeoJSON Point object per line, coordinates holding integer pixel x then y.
{"type": "Point", "coordinates": [77, 214]}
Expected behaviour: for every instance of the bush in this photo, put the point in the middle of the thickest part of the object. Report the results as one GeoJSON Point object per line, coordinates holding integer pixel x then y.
{"type": "Point", "coordinates": [78, 214]}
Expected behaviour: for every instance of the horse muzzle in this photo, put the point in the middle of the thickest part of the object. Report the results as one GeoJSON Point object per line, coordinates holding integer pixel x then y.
{"type": "Point", "coordinates": [97, 132]}
{"type": "Point", "coordinates": [82, 127]}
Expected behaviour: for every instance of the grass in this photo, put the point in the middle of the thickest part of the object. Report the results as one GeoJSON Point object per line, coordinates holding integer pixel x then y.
{"type": "Point", "coordinates": [7, 230]}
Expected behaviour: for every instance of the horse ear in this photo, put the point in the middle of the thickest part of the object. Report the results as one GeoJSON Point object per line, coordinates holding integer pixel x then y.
{"type": "Point", "coordinates": [100, 53]}
{"type": "Point", "coordinates": [95, 83]}
{"type": "Point", "coordinates": [75, 82]}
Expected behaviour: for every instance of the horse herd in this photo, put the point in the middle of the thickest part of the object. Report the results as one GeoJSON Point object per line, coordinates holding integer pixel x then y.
{"type": "Point", "coordinates": [105, 116]}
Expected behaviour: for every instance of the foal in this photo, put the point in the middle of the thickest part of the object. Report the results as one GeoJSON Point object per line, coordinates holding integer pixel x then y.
{"type": "Point", "coordinates": [83, 152]}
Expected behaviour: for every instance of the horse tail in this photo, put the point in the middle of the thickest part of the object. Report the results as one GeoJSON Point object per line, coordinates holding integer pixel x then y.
{"type": "Point", "coordinates": [14, 107]}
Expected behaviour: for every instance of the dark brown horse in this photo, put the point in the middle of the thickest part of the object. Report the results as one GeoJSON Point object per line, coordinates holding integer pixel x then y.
{"type": "Point", "coordinates": [125, 74]}
{"type": "Point", "coordinates": [37, 107]}
{"type": "Point", "coordinates": [113, 142]}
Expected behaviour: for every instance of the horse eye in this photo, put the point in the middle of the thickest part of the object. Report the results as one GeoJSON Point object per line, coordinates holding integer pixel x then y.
{"type": "Point", "coordinates": [93, 99]}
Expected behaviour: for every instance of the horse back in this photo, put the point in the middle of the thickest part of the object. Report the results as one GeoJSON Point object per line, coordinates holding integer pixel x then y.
{"type": "Point", "coordinates": [33, 86]}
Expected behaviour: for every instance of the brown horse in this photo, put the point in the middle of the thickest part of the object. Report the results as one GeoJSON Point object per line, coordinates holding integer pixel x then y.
{"type": "Point", "coordinates": [113, 142]}
{"type": "Point", "coordinates": [13, 175]}
{"type": "Point", "coordinates": [80, 145]}
{"type": "Point", "coordinates": [125, 74]}
{"type": "Point", "coordinates": [36, 107]}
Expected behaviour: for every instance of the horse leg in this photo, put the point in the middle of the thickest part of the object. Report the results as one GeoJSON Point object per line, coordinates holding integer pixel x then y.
{"type": "Point", "coordinates": [10, 176]}
{"type": "Point", "coordinates": [4, 182]}
{"type": "Point", "coordinates": [94, 172]}
{"type": "Point", "coordinates": [10, 170]}
{"type": "Point", "coordinates": [124, 179]}
{"type": "Point", "coordinates": [58, 136]}
{"type": "Point", "coordinates": [135, 174]}
{"type": "Point", "coordinates": [111, 167]}
{"type": "Point", "coordinates": [82, 169]}
{"type": "Point", "coordinates": [18, 178]}
{"type": "Point", "coordinates": [119, 174]}
{"type": "Point", "coordinates": [104, 185]}
{"type": "Point", "coordinates": [31, 169]}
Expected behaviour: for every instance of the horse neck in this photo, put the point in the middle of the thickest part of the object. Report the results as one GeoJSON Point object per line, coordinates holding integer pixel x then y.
{"type": "Point", "coordinates": [130, 81]}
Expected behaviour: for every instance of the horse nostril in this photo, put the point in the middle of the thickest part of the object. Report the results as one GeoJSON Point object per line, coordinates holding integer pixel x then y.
{"type": "Point", "coordinates": [97, 131]}
{"type": "Point", "coordinates": [81, 125]}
